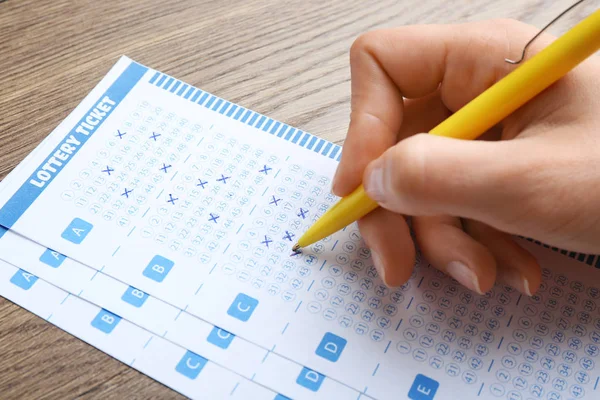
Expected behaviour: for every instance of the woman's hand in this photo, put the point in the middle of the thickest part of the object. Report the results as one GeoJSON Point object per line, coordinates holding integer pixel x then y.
{"type": "Point", "coordinates": [536, 175]}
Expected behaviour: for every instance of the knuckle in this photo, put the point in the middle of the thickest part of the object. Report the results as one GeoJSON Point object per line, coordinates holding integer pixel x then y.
{"type": "Point", "coordinates": [363, 44]}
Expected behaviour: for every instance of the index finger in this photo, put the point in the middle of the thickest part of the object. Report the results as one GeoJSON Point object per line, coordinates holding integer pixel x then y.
{"type": "Point", "coordinates": [449, 65]}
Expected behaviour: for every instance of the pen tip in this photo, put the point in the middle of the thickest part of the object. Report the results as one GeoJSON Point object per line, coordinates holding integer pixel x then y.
{"type": "Point", "coordinates": [295, 250]}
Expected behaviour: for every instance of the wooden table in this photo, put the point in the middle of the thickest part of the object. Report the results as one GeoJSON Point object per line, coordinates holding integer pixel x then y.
{"type": "Point", "coordinates": [287, 59]}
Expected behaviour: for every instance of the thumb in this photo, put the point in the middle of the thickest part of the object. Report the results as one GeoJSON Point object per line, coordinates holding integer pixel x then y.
{"type": "Point", "coordinates": [427, 175]}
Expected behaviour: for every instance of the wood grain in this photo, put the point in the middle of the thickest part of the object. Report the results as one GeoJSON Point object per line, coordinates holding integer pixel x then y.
{"type": "Point", "coordinates": [287, 59]}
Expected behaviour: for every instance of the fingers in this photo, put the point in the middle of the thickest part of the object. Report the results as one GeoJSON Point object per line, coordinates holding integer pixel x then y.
{"type": "Point", "coordinates": [448, 248]}
{"type": "Point", "coordinates": [426, 175]}
{"type": "Point", "coordinates": [392, 249]}
{"type": "Point", "coordinates": [476, 255]}
{"type": "Point", "coordinates": [422, 114]}
{"type": "Point", "coordinates": [419, 115]}
{"type": "Point", "coordinates": [516, 266]}
{"type": "Point", "coordinates": [412, 62]}
{"type": "Point", "coordinates": [376, 113]}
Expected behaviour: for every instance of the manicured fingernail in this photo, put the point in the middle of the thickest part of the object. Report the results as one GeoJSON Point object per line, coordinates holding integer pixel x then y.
{"type": "Point", "coordinates": [464, 275]}
{"type": "Point", "coordinates": [334, 183]}
{"type": "Point", "coordinates": [526, 287]}
{"type": "Point", "coordinates": [378, 265]}
{"type": "Point", "coordinates": [516, 280]}
{"type": "Point", "coordinates": [374, 182]}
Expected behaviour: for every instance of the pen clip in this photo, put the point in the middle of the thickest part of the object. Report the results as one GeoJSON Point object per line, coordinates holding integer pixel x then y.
{"type": "Point", "coordinates": [540, 32]}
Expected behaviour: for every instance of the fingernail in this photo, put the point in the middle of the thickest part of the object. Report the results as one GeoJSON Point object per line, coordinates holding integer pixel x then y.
{"type": "Point", "coordinates": [464, 275]}
{"type": "Point", "coordinates": [334, 185]}
{"type": "Point", "coordinates": [378, 265]}
{"type": "Point", "coordinates": [516, 280]}
{"type": "Point", "coordinates": [526, 287]}
{"type": "Point", "coordinates": [374, 182]}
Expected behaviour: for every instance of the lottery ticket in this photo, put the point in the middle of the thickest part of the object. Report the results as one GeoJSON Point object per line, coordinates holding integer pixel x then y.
{"type": "Point", "coordinates": [175, 211]}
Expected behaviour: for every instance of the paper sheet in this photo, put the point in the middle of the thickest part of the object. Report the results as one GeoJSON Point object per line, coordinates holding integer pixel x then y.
{"type": "Point", "coordinates": [157, 210]}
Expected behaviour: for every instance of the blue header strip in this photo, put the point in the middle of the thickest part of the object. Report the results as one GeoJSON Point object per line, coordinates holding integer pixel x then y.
{"type": "Point", "coordinates": [70, 145]}
{"type": "Point", "coordinates": [247, 117]}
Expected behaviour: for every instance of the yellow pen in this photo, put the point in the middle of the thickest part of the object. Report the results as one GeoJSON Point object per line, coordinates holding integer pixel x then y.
{"type": "Point", "coordinates": [482, 113]}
